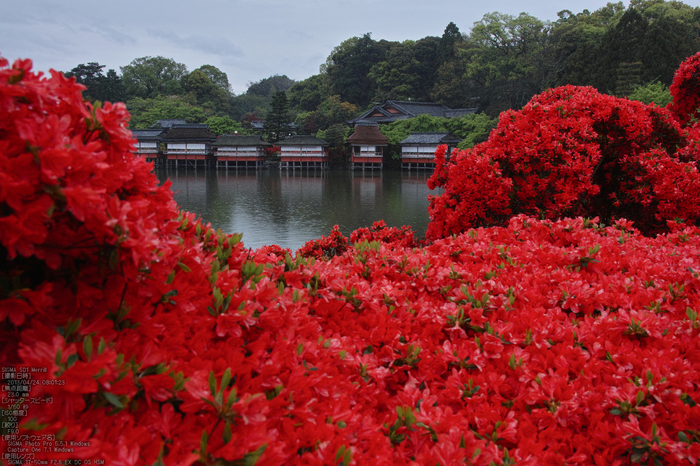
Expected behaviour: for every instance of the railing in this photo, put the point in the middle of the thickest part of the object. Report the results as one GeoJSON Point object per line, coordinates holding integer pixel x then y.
{"type": "Point", "coordinates": [185, 151]}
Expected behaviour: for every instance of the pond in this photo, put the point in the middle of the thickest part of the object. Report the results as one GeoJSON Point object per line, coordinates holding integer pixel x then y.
{"type": "Point", "coordinates": [290, 207]}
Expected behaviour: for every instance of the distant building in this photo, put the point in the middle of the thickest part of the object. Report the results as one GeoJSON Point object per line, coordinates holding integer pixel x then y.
{"type": "Point", "coordinates": [418, 149]}
{"type": "Point", "coordinates": [367, 145]}
{"type": "Point", "coordinates": [303, 151]}
{"type": "Point", "coordinates": [148, 143]}
{"type": "Point", "coordinates": [393, 110]}
{"type": "Point", "coordinates": [235, 151]}
{"type": "Point", "coordinates": [188, 143]}
{"type": "Point", "coordinates": [167, 124]}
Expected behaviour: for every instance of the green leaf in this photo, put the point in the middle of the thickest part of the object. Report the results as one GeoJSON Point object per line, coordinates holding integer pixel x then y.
{"type": "Point", "coordinates": [212, 383]}
{"type": "Point", "coordinates": [227, 433]}
{"type": "Point", "coordinates": [251, 458]}
{"type": "Point", "coordinates": [87, 346]}
{"type": "Point", "coordinates": [226, 378]}
{"type": "Point", "coordinates": [203, 442]}
{"type": "Point", "coordinates": [339, 454]}
{"type": "Point", "coordinates": [113, 400]}
{"type": "Point", "coordinates": [231, 398]}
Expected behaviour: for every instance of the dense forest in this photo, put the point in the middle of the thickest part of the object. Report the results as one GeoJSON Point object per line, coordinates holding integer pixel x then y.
{"type": "Point", "coordinates": [499, 64]}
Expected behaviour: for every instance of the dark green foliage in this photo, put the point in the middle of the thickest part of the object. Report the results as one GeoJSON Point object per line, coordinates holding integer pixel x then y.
{"type": "Point", "coordinates": [472, 129]}
{"type": "Point", "coordinates": [224, 125]}
{"type": "Point", "coordinates": [105, 88]}
{"type": "Point", "coordinates": [269, 86]}
{"type": "Point", "coordinates": [209, 96]}
{"type": "Point", "coordinates": [218, 77]}
{"type": "Point", "coordinates": [656, 93]}
{"type": "Point", "coordinates": [145, 112]}
{"type": "Point", "coordinates": [308, 94]}
{"type": "Point", "coordinates": [149, 77]}
{"type": "Point", "coordinates": [277, 122]}
{"type": "Point", "coordinates": [446, 47]}
{"type": "Point", "coordinates": [349, 65]}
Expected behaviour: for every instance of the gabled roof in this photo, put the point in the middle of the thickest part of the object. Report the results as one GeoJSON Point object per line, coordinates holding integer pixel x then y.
{"type": "Point", "coordinates": [241, 140]}
{"type": "Point", "coordinates": [393, 110]}
{"type": "Point", "coordinates": [147, 134]}
{"type": "Point", "coordinates": [168, 123]}
{"type": "Point", "coordinates": [368, 133]}
{"type": "Point", "coordinates": [189, 132]}
{"type": "Point", "coordinates": [431, 139]}
{"type": "Point", "coordinates": [302, 141]}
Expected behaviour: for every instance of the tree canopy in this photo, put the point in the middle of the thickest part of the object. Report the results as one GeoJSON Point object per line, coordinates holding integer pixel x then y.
{"type": "Point", "coordinates": [149, 77]}
{"type": "Point", "coordinates": [498, 63]}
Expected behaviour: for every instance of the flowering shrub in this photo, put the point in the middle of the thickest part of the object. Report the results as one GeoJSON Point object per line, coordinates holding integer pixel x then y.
{"type": "Point", "coordinates": [685, 91]}
{"type": "Point", "coordinates": [325, 248]}
{"type": "Point", "coordinates": [572, 151]}
{"type": "Point", "coordinates": [403, 237]}
{"type": "Point", "coordinates": [166, 342]}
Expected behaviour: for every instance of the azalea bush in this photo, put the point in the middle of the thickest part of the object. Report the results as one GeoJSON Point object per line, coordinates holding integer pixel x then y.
{"type": "Point", "coordinates": [149, 338]}
{"type": "Point", "coordinates": [572, 151]}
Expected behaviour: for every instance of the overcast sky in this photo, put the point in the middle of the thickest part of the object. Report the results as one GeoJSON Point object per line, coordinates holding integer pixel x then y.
{"type": "Point", "coordinates": [248, 39]}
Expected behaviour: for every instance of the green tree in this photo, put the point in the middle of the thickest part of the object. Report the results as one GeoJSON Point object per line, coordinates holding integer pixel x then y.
{"type": "Point", "coordinates": [145, 112]}
{"type": "Point", "coordinates": [277, 122]}
{"type": "Point", "coordinates": [112, 87]}
{"type": "Point", "coordinates": [656, 93]}
{"type": "Point", "coordinates": [348, 68]}
{"type": "Point", "coordinates": [448, 42]}
{"type": "Point", "coordinates": [509, 59]}
{"type": "Point", "coordinates": [269, 86]}
{"type": "Point", "coordinates": [580, 38]}
{"type": "Point", "coordinates": [105, 88]}
{"type": "Point", "coordinates": [307, 95]}
{"type": "Point", "coordinates": [656, 34]}
{"type": "Point", "coordinates": [397, 76]}
{"type": "Point", "coordinates": [425, 51]}
{"type": "Point", "coordinates": [671, 37]}
{"type": "Point", "coordinates": [249, 106]}
{"type": "Point", "coordinates": [452, 88]}
{"type": "Point", "coordinates": [224, 125]}
{"type": "Point", "coordinates": [148, 77]}
{"type": "Point", "coordinates": [208, 95]}
{"type": "Point", "coordinates": [471, 129]}
{"type": "Point", "coordinates": [218, 77]}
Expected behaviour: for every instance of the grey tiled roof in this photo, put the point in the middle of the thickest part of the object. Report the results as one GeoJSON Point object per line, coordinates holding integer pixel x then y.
{"type": "Point", "coordinates": [168, 123]}
{"type": "Point", "coordinates": [431, 138]}
{"type": "Point", "coordinates": [242, 140]}
{"type": "Point", "coordinates": [190, 132]}
{"type": "Point", "coordinates": [147, 134]}
{"type": "Point", "coordinates": [409, 109]}
{"type": "Point", "coordinates": [302, 141]}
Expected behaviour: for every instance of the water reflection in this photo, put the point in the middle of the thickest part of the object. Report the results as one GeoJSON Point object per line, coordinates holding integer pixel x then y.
{"type": "Point", "coordinates": [290, 207]}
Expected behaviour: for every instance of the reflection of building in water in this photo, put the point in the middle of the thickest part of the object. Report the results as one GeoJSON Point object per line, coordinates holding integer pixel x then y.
{"type": "Point", "coordinates": [301, 187]}
{"type": "Point", "coordinates": [367, 144]}
{"type": "Point", "coordinates": [367, 188]}
{"type": "Point", "coordinates": [418, 150]}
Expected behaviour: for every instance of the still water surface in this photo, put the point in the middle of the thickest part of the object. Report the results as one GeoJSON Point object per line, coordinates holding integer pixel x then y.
{"type": "Point", "coordinates": [290, 207]}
